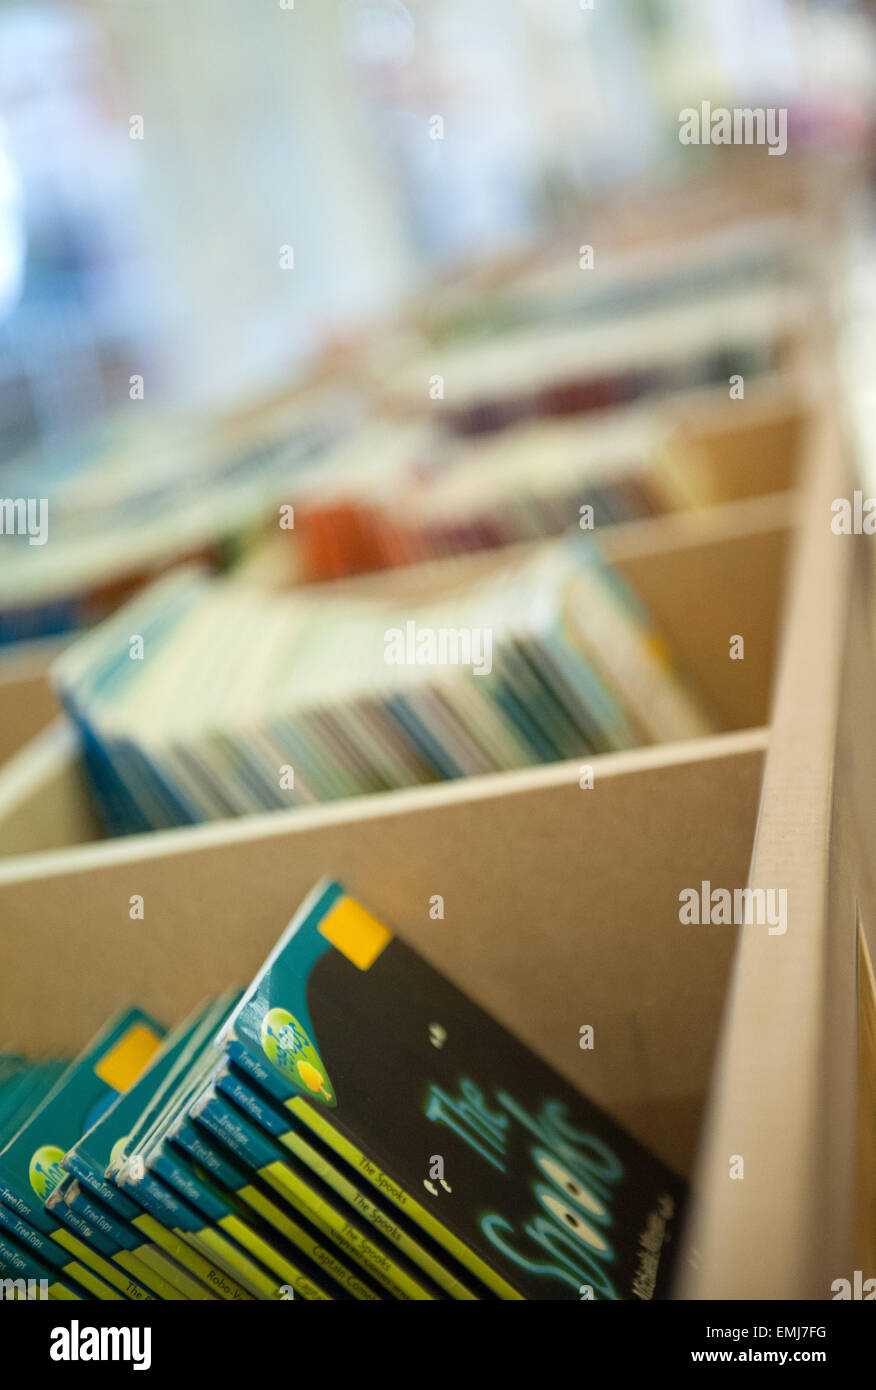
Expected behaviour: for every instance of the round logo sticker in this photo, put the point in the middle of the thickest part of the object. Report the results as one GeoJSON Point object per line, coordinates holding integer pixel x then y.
{"type": "Point", "coordinates": [45, 1171]}
{"type": "Point", "coordinates": [290, 1049]}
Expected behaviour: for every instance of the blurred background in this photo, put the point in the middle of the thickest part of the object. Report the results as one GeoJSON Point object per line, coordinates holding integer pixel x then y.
{"type": "Point", "coordinates": [155, 246]}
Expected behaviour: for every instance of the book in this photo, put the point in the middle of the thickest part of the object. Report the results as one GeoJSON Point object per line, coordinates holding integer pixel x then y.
{"type": "Point", "coordinates": [123, 501]}
{"type": "Point", "coordinates": [311, 1198]}
{"type": "Point", "coordinates": [222, 1210]}
{"type": "Point", "coordinates": [245, 702]}
{"type": "Point", "coordinates": [30, 1161]}
{"type": "Point", "coordinates": [418, 495]}
{"type": "Point", "coordinates": [25, 1277]}
{"type": "Point", "coordinates": [98, 1158]}
{"type": "Point", "coordinates": [296, 1232]}
{"type": "Point", "coordinates": [284, 1173]}
{"type": "Point", "coordinates": [78, 1273]}
{"type": "Point", "coordinates": [241, 1237]}
{"type": "Point", "coordinates": [111, 1240]}
{"type": "Point", "coordinates": [207, 1220]}
{"type": "Point", "coordinates": [477, 1143]}
{"type": "Point", "coordinates": [562, 368]}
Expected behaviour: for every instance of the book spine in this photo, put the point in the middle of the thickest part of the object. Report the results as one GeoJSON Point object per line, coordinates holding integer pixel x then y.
{"type": "Point", "coordinates": [402, 1199]}
{"type": "Point", "coordinates": [24, 1277]}
{"type": "Point", "coordinates": [222, 1215]}
{"type": "Point", "coordinates": [48, 1253]}
{"type": "Point", "coordinates": [189, 1226]}
{"type": "Point", "coordinates": [334, 1178]}
{"type": "Point", "coordinates": [97, 1252]}
{"type": "Point", "coordinates": [260, 1155]}
{"type": "Point", "coordinates": [159, 1208]}
{"type": "Point", "coordinates": [207, 1271]}
{"type": "Point", "coordinates": [150, 1255]}
{"type": "Point", "coordinates": [127, 1244]}
{"type": "Point", "coordinates": [188, 1139]}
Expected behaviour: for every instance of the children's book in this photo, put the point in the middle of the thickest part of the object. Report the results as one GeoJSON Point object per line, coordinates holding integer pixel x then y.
{"type": "Point", "coordinates": [424, 1099]}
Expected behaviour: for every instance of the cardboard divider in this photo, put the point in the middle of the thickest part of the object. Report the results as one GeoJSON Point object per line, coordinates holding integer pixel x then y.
{"type": "Point", "coordinates": [745, 450]}
{"type": "Point", "coordinates": [785, 1093]}
{"type": "Point", "coordinates": [27, 701]}
{"type": "Point", "coordinates": [708, 577]}
{"type": "Point", "coordinates": [45, 801]}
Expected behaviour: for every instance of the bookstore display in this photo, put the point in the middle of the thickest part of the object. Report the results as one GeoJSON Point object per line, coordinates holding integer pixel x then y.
{"type": "Point", "coordinates": [518, 627]}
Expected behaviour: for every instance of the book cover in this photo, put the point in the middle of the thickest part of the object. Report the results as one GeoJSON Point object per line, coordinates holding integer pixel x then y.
{"type": "Point", "coordinates": [452, 1119]}
{"type": "Point", "coordinates": [30, 1162]}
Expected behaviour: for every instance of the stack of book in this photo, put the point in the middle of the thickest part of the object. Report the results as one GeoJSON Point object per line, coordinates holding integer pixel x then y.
{"type": "Point", "coordinates": [521, 396]}
{"type": "Point", "coordinates": [479, 386]}
{"type": "Point", "coordinates": [350, 1127]}
{"type": "Point", "coordinates": [208, 697]}
{"type": "Point", "coordinates": [564, 283]}
{"type": "Point", "coordinates": [133, 496]}
{"type": "Point", "coordinates": [399, 494]}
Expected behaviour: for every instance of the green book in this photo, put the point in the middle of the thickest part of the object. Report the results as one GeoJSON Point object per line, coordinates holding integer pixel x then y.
{"type": "Point", "coordinates": [107, 1147]}
{"type": "Point", "coordinates": [30, 1162]}
{"type": "Point", "coordinates": [203, 1214]}
{"type": "Point", "coordinates": [89, 1158]}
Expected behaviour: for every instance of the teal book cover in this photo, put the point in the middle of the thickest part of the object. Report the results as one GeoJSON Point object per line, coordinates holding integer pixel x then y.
{"type": "Point", "coordinates": [30, 1163]}
{"type": "Point", "coordinates": [450, 1117]}
{"type": "Point", "coordinates": [90, 1157]}
{"type": "Point", "coordinates": [22, 1093]}
{"type": "Point", "coordinates": [153, 1091]}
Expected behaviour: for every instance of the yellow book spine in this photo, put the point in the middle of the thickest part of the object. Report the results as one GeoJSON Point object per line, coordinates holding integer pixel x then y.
{"type": "Point", "coordinates": [403, 1200]}
{"type": "Point", "coordinates": [206, 1270]}
{"type": "Point", "coordinates": [334, 1225]}
{"type": "Point", "coordinates": [117, 1278]}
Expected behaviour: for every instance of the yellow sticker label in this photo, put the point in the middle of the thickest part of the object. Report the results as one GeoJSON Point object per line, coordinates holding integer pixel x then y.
{"type": "Point", "coordinates": [121, 1066]}
{"type": "Point", "coordinates": [355, 933]}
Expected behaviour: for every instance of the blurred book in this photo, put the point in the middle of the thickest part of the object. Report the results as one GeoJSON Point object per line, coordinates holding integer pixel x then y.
{"type": "Point", "coordinates": [400, 494]}
{"type": "Point", "coordinates": [138, 493]}
{"type": "Point", "coordinates": [485, 384]}
{"type": "Point", "coordinates": [550, 286]}
{"type": "Point", "coordinates": [206, 698]}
